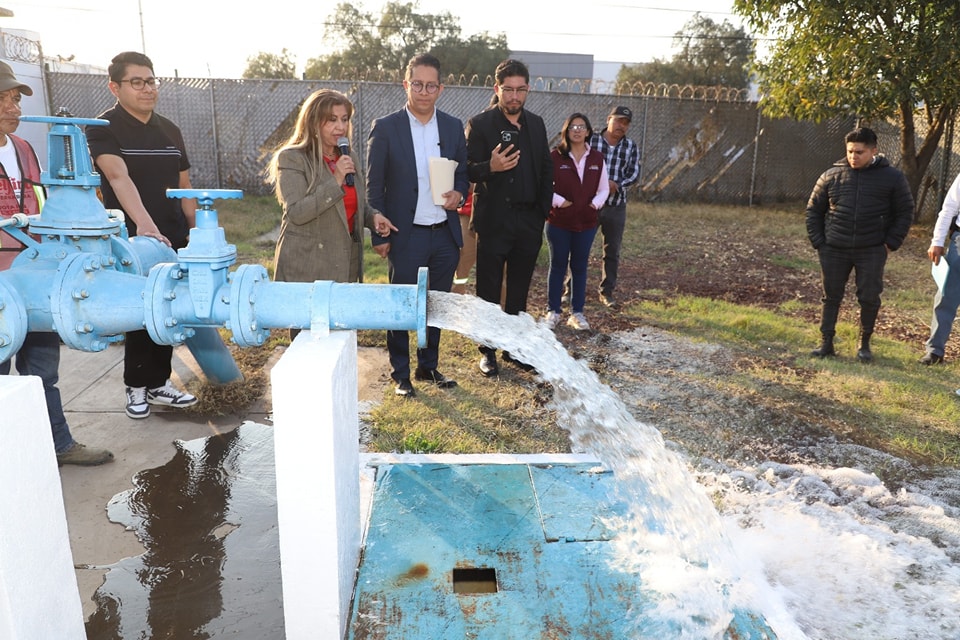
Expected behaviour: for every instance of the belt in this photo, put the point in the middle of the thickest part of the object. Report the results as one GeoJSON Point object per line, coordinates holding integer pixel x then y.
{"type": "Point", "coordinates": [436, 225]}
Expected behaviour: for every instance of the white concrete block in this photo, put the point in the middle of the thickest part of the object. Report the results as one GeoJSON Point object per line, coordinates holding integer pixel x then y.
{"type": "Point", "coordinates": [38, 588]}
{"type": "Point", "coordinates": [316, 436]}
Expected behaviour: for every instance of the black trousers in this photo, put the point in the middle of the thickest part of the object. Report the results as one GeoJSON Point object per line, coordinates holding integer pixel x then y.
{"type": "Point", "coordinates": [867, 263]}
{"type": "Point", "coordinates": [513, 247]}
{"type": "Point", "coordinates": [145, 363]}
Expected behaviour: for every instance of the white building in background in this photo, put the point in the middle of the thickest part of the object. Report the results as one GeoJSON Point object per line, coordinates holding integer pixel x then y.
{"type": "Point", "coordinates": [569, 71]}
{"type": "Point", "coordinates": [23, 51]}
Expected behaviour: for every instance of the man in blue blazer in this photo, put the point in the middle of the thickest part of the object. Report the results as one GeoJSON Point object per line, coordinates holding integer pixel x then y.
{"type": "Point", "coordinates": [398, 185]}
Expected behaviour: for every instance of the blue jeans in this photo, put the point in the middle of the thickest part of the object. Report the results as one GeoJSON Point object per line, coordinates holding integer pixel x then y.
{"type": "Point", "coordinates": [40, 356]}
{"type": "Point", "coordinates": [945, 303]}
{"type": "Point", "coordinates": [573, 248]}
{"type": "Point", "coordinates": [612, 221]}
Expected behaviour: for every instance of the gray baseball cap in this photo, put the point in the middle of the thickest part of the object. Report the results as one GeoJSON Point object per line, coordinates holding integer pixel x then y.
{"type": "Point", "coordinates": [9, 81]}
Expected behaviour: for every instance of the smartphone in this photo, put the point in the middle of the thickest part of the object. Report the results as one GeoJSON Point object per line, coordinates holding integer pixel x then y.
{"type": "Point", "coordinates": [510, 138]}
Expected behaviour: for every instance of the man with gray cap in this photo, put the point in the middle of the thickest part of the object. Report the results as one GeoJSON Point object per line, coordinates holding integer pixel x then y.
{"type": "Point", "coordinates": [21, 192]}
{"type": "Point", "coordinates": [623, 166]}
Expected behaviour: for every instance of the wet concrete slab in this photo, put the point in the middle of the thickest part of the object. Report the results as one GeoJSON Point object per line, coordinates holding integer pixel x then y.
{"type": "Point", "coordinates": [493, 551]}
{"type": "Point", "coordinates": [92, 389]}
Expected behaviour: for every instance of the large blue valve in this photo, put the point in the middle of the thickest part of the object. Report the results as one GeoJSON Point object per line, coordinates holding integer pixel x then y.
{"type": "Point", "coordinates": [89, 282]}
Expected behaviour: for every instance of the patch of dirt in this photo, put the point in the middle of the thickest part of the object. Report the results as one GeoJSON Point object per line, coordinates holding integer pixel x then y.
{"type": "Point", "coordinates": [687, 389]}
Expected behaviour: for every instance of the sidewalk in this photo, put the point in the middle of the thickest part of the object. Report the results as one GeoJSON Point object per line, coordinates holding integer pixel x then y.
{"type": "Point", "coordinates": [92, 389]}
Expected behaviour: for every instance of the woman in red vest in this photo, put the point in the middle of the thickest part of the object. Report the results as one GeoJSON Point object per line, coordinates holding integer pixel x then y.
{"type": "Point", "coordinates": [580, 187]}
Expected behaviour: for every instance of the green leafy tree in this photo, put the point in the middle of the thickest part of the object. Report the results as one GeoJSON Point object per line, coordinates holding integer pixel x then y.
{"type": "Point", "coordinates": [708, 54]}
{"type": "Point", "coordinates": [280, 66]}
{"type": "Point", "coordinates": [869, 58]}
{"type": "Point", "coordinates": [377, 44]}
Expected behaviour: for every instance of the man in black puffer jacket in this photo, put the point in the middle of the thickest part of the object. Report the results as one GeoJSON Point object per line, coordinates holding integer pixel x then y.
{"type": "Point", "coordinates": [860, 210]}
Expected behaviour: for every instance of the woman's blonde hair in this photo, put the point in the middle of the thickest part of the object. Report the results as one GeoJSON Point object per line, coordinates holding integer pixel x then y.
{"type": "Point", "coordinates": [316, 109]}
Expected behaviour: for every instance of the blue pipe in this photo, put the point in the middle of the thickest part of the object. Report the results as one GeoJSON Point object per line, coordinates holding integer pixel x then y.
{"type": "Point", "coordinates": [91, 283]}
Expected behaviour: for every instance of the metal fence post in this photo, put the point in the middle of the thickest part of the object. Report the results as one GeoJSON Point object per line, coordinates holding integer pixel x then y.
{"type": "Point", "coordinates": [216, 136]}
{"type": "Point", "coordinates": [643, 143]}
{"type": "Point", "coordinates": [756, 153]}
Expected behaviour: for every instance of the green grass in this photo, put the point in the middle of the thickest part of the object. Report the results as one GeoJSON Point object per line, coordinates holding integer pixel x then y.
{"type": "Point", "coordinates": [245, 222]}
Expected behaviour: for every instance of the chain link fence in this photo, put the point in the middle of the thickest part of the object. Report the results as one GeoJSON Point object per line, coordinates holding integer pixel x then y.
{"type": "Point", "coordinates": [697, 144]}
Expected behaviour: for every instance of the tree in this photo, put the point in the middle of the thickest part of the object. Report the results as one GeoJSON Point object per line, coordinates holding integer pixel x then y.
{"type": "Point", "coordinates": [868, 58]}
{"type": "Point", "coordinates": [709, 54]}
{"type": "Point", "coordinates": [271, 65]}
{"type": "Point", "coordinates": [384, 44]}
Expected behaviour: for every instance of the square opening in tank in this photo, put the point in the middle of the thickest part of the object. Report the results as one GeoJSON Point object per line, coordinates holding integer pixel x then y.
{"type": "Point", "coordinates": [475, 580]}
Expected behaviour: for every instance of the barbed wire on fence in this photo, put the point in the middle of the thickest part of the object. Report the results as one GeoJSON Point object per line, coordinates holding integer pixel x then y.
{"type": "Point", "coordinates": [706, 144]}
{"type": "Point", "coordinates": [20, 49]}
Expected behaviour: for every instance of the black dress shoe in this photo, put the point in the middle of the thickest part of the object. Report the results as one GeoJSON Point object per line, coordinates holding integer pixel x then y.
{"type": "Point", "coordinates": [404, 388]}
{"type": "Point", "coordinates": [523, 365]}
{"type": "Point", "coordinates": [488, 364]}
{"type": "Point", "coordinates": [434, 376]}
{"type": "Point", "coordinates": [931, 358]}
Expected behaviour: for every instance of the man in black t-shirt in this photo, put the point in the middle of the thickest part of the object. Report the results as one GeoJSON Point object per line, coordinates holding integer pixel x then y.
{"type": "Point", "coordinates": [141, 154]}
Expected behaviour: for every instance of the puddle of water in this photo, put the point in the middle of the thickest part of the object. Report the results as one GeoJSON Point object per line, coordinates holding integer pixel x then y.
{"type": "Point", "coordinates": [211, 565]}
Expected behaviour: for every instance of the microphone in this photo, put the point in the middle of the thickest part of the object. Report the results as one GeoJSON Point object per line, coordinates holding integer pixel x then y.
{"type": "Point", "coordinates": [344, 145]}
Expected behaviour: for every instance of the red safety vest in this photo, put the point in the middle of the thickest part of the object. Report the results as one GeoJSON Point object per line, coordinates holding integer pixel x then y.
{"type": "Point", "coordinates": [28, 203]}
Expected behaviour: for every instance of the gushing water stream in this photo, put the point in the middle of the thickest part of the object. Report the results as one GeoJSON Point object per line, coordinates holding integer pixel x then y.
{"type": "Point", "coordinates": [673, 536]}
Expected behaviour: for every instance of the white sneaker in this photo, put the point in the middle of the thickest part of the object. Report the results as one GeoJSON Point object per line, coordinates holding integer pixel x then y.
{"type": "Point", "coordinates": [578, 322]}
{"type": "Point", "coordinates": [551, 319]}
{"type": "Point", "coordinates": [137, 406]}
{"type": "Point", "coordinates": [170, 396]}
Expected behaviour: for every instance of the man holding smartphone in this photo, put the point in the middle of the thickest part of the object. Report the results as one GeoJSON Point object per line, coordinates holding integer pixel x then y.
{"type": "Point", "coordinates": [508, 159]}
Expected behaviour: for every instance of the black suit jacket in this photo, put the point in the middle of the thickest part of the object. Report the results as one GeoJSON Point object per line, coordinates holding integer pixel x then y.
{"type": "Point", "coordinates": [392, 173]}
{"type": "Point", "coordinates": [496, 192]}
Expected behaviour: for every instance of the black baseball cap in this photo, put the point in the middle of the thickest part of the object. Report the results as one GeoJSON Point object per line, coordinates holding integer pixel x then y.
{"type": "Point", "coordinates": [621, 112]}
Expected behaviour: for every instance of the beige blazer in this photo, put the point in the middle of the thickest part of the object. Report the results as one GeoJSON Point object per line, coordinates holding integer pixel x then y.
{"type": "Point", "coordinates": [314, 242]}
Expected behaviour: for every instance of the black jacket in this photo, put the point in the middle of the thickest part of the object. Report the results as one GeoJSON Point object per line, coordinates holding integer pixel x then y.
{"type": "Point", "coordinates": [856, 208]}
{"type": "Point", "coordinates": [495, 193]}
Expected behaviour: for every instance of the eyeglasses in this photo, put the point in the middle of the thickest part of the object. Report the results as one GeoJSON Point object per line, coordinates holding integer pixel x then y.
{"type": "Point", "coordinates": [139, 83]}
{"type": "Point", "coordinates": [509, 91]}
{"type": "Point", "coordinates": [418, 87]}
{"type": "Point", "coordinates": [578, 127]}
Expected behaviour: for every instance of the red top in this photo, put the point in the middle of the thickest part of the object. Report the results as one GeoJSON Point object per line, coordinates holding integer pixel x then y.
{"type": "Point", "coordinates": [467, 208]}
{"type": "Point", "coordinates": [349, 194]}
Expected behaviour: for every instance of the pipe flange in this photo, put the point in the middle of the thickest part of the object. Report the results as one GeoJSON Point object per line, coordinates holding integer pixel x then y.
{"type": "Point", "coordinates": [158, 296]}
{"type": "Point", "coordinates": [247, 331]}
{"type": "Point", "coordinates": [13, 320]}
{"type": "Point", "coordinates": [68, 320]}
